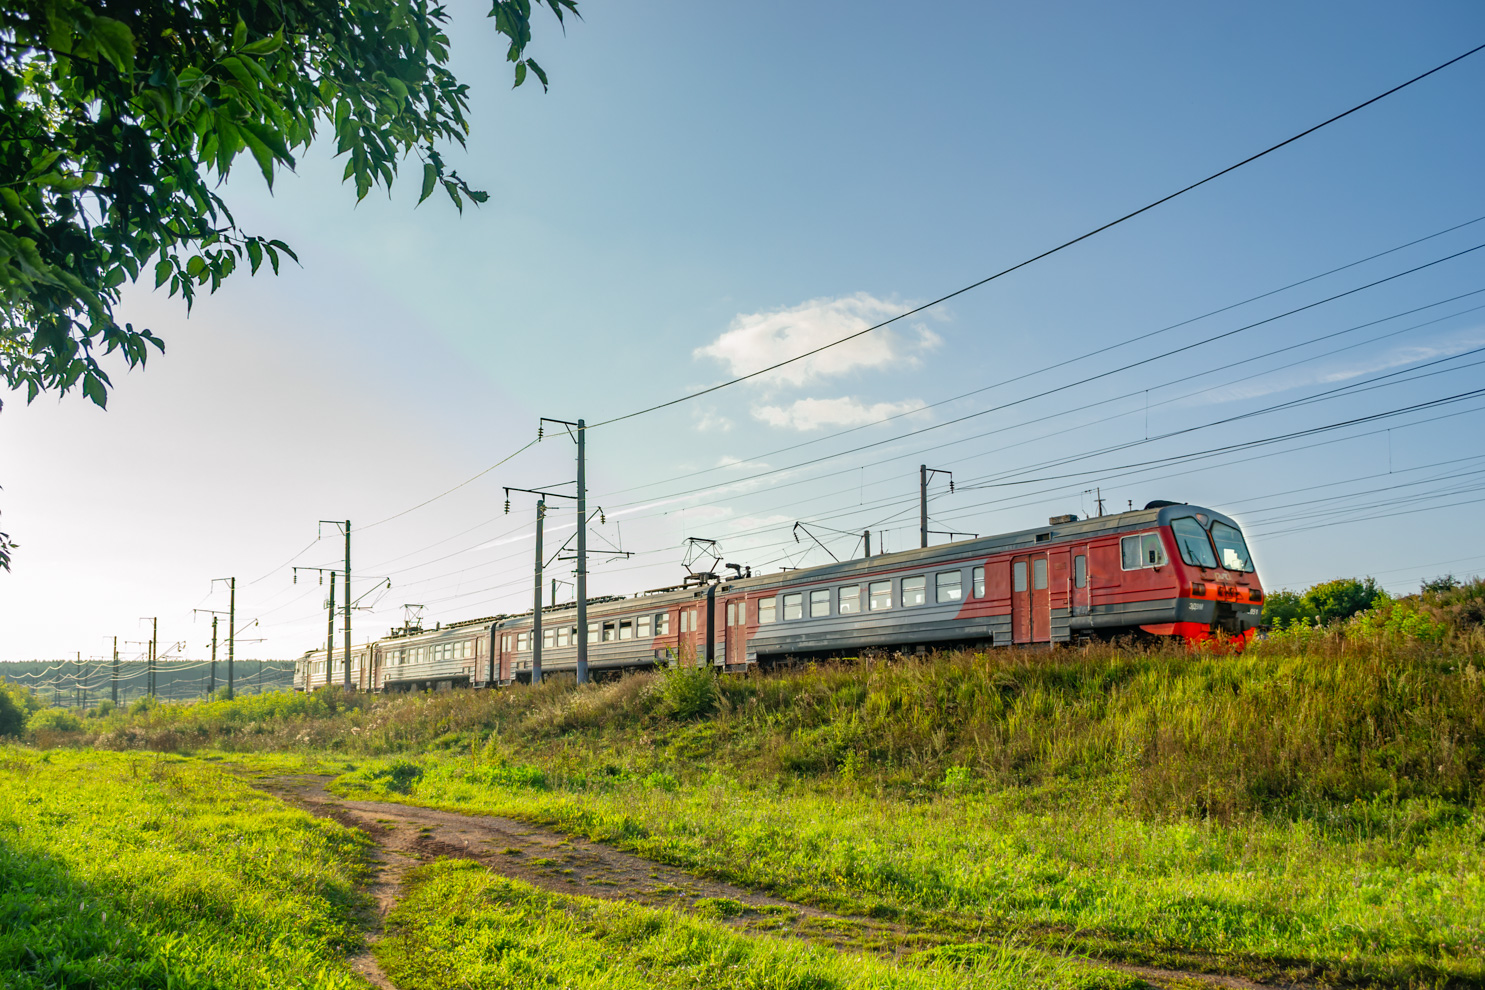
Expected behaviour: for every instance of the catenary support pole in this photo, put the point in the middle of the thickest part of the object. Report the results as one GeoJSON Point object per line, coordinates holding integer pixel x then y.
{"type": "Point", "coordinates": [154, 648]}
{"type": "Point", "coordinates": [866, 541]}
{"type": "Point", "coordinates": [582, 553]}
{"type": "Point", "coordinates": [330, 632]}
{"type": "Point", "coordinates": [211, 687]}
{"type": "Point", "coordinates": [114, 686]}
{"type": "Point", "coordinates": [923, 505]}
{"type": "Point", "coordinates": [346, 591]}
{"type": "Point", "coordinates": [541, 519]}
{"type": "Point", "coordinates": [231, 631]}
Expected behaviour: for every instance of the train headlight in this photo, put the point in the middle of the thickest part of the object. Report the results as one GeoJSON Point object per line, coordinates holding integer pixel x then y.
{"type": "Point", "coordinates": [1198, 589]}
{"type": "Point", "coordinates": [1254, 595]}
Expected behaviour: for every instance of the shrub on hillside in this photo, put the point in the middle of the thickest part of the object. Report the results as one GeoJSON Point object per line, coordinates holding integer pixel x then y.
{"type": "Point", "coordinates": [1284, 608]}
{"type": "Point", "coordinates": [53, 720]}
{"type": "Point", "coordinates": [12, 716]}
{"type": "Point", "coordinates": [1460, 604]}
{"type": "Point", "coordinates": [689, 692]}
{"type": "Point", "coordinates": [1321, 604]}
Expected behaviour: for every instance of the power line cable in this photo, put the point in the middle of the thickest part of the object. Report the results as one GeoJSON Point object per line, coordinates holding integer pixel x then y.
{"type": "Point", "coordinates": [1045, 254]}
{"type": "Point", "coordinates": [1058, 364]}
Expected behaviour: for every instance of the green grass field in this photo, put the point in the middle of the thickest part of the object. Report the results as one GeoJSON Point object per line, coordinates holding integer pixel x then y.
{"type": "Point", "coordinates": [1308, 810]}
{"type": "Point", "coordinates": [129, 870]}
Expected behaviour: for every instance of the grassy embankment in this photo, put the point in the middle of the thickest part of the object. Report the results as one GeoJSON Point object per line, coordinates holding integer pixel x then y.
{"type": "Point", "coordinates": [1309, 809]}
{"type": "Point", "coordinates": [122, 871]}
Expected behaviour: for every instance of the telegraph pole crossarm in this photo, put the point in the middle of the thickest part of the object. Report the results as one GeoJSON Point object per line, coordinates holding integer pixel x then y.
{"type": "Point", "coordinates": [924, 473]}
{"type": "Point", "coordinates": [536, 602]}
{"type": "Point", "coordinates": [579, 432]}
{"type": "Point", "coordinates": [215, 614]}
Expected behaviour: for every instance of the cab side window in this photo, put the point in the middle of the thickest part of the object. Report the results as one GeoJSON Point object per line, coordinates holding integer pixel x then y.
{"type": "Point", "coordinates": [1144, 550]}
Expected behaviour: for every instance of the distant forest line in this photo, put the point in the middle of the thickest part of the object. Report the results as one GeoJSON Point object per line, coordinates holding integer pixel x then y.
{"type": "Point", "coordinates": [71, 684]}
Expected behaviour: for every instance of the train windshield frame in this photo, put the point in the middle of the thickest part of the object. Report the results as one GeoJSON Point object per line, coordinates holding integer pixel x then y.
{"type": "Point", "coordinates": [1232, 549]}
{"type": "Point", "coordinates": [1192, 542]}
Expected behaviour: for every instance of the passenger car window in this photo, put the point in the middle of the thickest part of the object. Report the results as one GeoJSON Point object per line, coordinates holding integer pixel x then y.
{"type": "Point", "coordinates": [1039, 574]}
{"type": "Point", "coordinates": [662, 624]}
{"type": "Point", "coordinates": [914, 590]}
{"type": "Point", "coordinates": [626, 629]}
{"type": "Point", "coordinates": [978, 574]}
{"type": "Point", "coordinates": [948, 585]}
{"type": "Point", "coordinates": [1080, 571]}
{"type": "Point", "coordinates": [819, 603]}
{"type": "Point", "coordinates": [1018, 576]}
{"type": "Point", "coordinates": [1231, 547]}
{"type": "Point", "coordinates": [849, 602]}
{"type": "Point", "coordinates": [592, 632]}
{"type": "Point", "coordinates": [1192, 542]}
{"type": "Point", "coordinates": [794, 606]}
{"type": "Point", "coordinates": [881, 595]}
{"type": "Point", "coordinates": [767, 610]}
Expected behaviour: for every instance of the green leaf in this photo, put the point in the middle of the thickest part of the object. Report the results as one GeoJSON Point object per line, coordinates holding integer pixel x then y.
{"type": "Point", "coordinates": [261, 152]}
{"type": "Point", "coordinates": [239, 34]}
{"type": "Point", "coordinates": [520, 73]}
{"type": "Point", "coordinates": [255, 255]}
{"type": "Point", "coordinates": [430, 180]}
{"type": "Point", "coordinates": [93, 389]}
{"type": "Point", "coordinates": [115, 42]}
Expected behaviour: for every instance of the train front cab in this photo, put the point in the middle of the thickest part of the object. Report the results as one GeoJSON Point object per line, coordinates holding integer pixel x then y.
{"type": "Point", "coordinates": [1188, 573]}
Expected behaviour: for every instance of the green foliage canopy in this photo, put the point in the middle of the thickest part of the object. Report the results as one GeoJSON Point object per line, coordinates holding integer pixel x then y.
{"type": "Point", "coordinates": [119, 120]}
{"type": "Point", "coordinates": [1329, 601]}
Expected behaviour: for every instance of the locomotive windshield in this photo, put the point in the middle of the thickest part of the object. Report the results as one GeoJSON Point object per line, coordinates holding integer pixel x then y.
{"type": "Point", "coordinates": [1231, 548]}
{"type": "Point", "coordinates": [1192, 541]}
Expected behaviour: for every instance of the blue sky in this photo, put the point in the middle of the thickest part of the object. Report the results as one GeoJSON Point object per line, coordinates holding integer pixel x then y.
{"type": "Point", "coordinates": [707, 188]}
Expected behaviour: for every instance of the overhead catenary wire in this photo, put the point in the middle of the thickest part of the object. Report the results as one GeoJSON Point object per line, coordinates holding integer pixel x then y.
{"type": "Point", "coordinates": [1044, 254]}
{"type": "Point", "coordinates": [835, 434]}
{"type": "Point", "coordinates": [1092, 378]}
{"type": "Point", "coordinates": [920, 451]}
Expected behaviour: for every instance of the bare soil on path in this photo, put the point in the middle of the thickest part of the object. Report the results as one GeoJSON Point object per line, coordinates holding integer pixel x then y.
{"type": "Point", "coordinates": [407, 836]}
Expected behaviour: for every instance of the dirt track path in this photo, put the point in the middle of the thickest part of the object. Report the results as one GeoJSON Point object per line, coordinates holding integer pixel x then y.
{"type": "Point", "coordinates": [407, 836]}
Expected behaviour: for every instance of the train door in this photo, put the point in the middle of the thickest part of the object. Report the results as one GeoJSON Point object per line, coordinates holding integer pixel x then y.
{"type": "Point", "coordinates": [736, 648]}
{"type": "Point", "coordinates": [1021, 600]}
{"type": "Point", "coordinates": [1078, 593]}
{"type": "Point", "coordinates": [1031, 600]}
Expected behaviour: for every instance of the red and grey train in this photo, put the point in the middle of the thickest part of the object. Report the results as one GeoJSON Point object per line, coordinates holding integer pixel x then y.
{"type": "Point", "coordinates": [1170, 569]}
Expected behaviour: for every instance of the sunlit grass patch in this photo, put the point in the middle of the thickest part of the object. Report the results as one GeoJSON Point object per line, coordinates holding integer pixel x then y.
{"type": "Point", "coordinates": [459, 925]}
{"type": "Point", "coordinates": [123, 871]}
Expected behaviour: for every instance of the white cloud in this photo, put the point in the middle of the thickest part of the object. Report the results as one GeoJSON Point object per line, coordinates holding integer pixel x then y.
{"type": "Point", "coordinates": [757, 340]}
{"type": "Point", "coordinates": [815, 414]}
{"type": "Point", "coordinates": [712, 421]}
